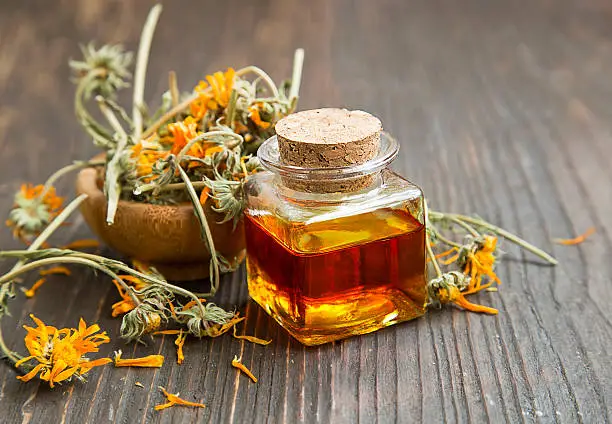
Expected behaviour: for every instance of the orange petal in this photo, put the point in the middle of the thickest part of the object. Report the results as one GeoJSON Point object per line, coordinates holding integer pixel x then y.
{"type": "Point", "coordinates": [577, 240]}
{"type": "Point", "coordinates": [252, 339]}
{"type": "Point", "coordinates": [55, 270]}
{"type": "Point", "coordinates": [237, 364]}
{"type": "Point", "coordinates": [31, 374]}
{"type": "Point", "coordinates": [32, 290]}
{"type": "Point", "coordinates": [82, 244]}
{"type": "Point", "coordinates": [151, 361]}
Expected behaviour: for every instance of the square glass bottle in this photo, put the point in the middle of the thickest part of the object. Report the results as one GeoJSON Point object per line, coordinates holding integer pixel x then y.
{"type": "Point", "coordinates": [334, 251]}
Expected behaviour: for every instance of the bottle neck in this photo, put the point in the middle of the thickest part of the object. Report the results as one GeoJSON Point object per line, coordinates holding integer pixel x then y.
{"type": "Point", "coordinates": [300, 193]}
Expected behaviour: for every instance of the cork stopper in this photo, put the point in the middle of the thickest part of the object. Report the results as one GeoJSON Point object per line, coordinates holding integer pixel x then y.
{"type": "Point", "coordinates": [328, 138]}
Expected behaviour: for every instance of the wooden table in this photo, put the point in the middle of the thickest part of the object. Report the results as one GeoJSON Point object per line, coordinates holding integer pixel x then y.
{"type": "Point", "coordinates": [503, 109]}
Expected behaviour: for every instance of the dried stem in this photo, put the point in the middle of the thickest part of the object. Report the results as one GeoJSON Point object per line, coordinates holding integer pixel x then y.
{"type": "Point", "coordinates": [65, 170]}
{"type": "Point", "coordinates": [199, 211]}
{"type": "Point", "coordinates": [113, 169]}
{"type": "Point", "coordinates": [296, 77]}
{"type": "Point", "coordinates": [174, 91]}
{"type": "Point", "coordinates": [141, 68]}
{"type": "Point", "coordinates": [432, 257]}
{"type": "Point", "coordinates": [468, 221]}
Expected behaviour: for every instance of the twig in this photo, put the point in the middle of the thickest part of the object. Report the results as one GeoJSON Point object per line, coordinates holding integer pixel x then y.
{"type": "Point", "coordinates": [174, 91]}
{"type": "Point", "coordinates": [296, 77]}
{"type": "Point", "coordinates": [141, 68]}
{"type": "Point", "coordinates": [112, 186]}
{"type": "Point", "coordinates": [195, 200]}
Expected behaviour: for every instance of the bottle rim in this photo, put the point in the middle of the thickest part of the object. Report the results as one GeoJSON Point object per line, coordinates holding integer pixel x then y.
{"type": "Point", "coordinates": [269, 156]}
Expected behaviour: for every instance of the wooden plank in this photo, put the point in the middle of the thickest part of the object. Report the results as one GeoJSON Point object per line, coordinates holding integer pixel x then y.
{"type": "Point", "coordinates": [502, 109]}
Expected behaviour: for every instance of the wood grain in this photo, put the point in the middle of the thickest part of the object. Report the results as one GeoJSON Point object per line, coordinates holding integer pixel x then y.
{"type": "Point", "coordinates": [502, 108]}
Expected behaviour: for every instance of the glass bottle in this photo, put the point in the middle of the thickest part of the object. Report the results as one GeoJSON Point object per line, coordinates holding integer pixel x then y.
{"type": "Point", "coordinates": [328, 265]}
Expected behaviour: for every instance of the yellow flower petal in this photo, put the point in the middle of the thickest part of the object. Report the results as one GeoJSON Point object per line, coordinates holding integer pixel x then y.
{"type": "Point", "coordinates": [151, 361]}
{"type": "Point", "coordinates": [237, 364]}
{"type": "Point", "coordinates": [252, 339]}
{"type": "Point", "coordinates": [176, 400]}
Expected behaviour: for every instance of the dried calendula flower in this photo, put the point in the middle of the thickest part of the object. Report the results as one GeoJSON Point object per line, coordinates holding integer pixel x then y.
{"type": "Point", "coordinates": [150, 361]}
{"type": "Point", "coordinates": [255, 115]}
{"type": "Point", "coordinates": [34, 208]}
{"type": "Point", "coordinates": [61, 353]}
{"type": "Point", "coordinates": [477, 260]}
{"type": "Point", "coordinates": [106, 67]}
{"type": "Point", "coordinates": [236, 363]}
{"type": "Point", "coordinates": [221, 84]}
{"type": "Point", "coordinates": [200, 105]}
{"type": "Point", "coordinates": [176, 400]}
{"type": "Point", "coordinates": [448, 288]}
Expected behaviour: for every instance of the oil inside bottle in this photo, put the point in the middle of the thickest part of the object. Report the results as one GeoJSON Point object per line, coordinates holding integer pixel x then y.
{"type": "Point", "coordinates": [331, 279]}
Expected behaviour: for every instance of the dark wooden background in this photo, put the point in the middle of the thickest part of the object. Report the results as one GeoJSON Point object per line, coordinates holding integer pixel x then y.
{"type": "Point", "coordinates": [503, 109]}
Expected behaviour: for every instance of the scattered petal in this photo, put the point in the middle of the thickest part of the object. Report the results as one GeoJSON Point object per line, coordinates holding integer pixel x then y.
{"type": "Point", "coordinates": [82, 244]}
{"type": "Point", "coordinates": [151, 361]}
{"type": "Point", "coordinates": [176, 400]}
{"type": "Point", "coordinates": [179, 342]}
{"type": "Point", "coordinates": [577, 240]}
{"type": "Point", "coordinates": [252, 339]}
{"type": "Point", "coordinates": [55, 270]}
{"type": "Point", "coordinates": [237, 364]}
{"type": "Point", "coordinates": [31, 292]}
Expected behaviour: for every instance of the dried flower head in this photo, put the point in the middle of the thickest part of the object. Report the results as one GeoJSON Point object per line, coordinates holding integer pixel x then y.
{"type": "Point", "coordinates": [479, 261]}
{"type": "Point", "coordinates": [145, 318]}
{"type": "Point", "coordinates": [106, 67]}
{"type": "Point", "coordinates": [221, 84]}
{"type": "Point", "coordinates": [204, 322]}
{"type": "Point", "coordinates": [33, 210]}
{"type": "Point", "coordinates": [61, 353]}
{"type": "Point", "coordinates": [449, 288]}
{"type": "Point", "coordinates": [256, 110]}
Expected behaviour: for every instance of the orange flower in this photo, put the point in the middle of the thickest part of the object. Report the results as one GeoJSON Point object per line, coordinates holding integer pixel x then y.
{"type": "Point", "coordinates": [145, 158]}
{"type": "Point", "coordinates": [200, 106]}
{"type": "Point", "coordinates": [254, 114]}
{"type": "Point", "coordinates": [151, 361]}
{"type": "Point", "coordinates": [176, 400]}
{"type": "Point", "coordinates": [480, 263]}
{"type": "Point", "coordinates": [33, 211]}
{"type": "Point", "coordinates": [60, 353]}
{"type": "Point", "coordinates": [221, 84]}
{"type": "Point", "coordinates": [181, 134]}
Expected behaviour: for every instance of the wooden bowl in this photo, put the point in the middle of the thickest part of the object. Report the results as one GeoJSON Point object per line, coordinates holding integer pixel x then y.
{"type": "Point", "coordinates": [166, 237]}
